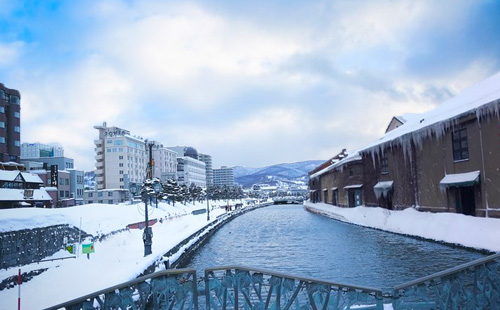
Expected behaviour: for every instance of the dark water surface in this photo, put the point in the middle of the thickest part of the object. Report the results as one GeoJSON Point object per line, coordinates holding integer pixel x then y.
{"type": "Point", "coordinates": [288, 239]}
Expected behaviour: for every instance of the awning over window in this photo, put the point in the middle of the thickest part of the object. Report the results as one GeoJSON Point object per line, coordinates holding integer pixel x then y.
{"type": "Point", "coordinates": [383, 188]}
{"type": "Point", "coordinates": [325, 189]}
{"type": "Point", "coordinates": [460, 179]}
{"type": "Point", "coordinates": [353, 186]}
{"type": "Point", "coordinates": [334, 188]}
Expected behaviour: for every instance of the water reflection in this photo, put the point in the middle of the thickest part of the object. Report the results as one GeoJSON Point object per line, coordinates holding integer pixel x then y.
{"type": "Point", "coordinates": [288, 239]}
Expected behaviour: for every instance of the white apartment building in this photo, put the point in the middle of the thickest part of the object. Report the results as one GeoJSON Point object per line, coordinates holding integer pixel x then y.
{"type": "Point", "coordinates": [36, 150]}
{"type": "Point", "coordinates": [190, 170]}
{"type": "Point", "coordinates": [120, 158]}
{"type": "Point", "coordinates": [165, 162]}
{"type": "Point", "coordinates": [207, 159]}
{"type": "Point", "coordinates": [224, 176]}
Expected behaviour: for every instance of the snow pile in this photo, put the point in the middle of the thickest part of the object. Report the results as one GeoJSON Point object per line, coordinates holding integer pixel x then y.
{"type": "Point", "coordinates": [117, 259]}
{"type": "Point", "coordinates": [468, 231]}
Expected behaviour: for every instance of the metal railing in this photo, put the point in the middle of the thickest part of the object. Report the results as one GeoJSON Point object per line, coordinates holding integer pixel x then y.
{"type": "Point", "coordinates": [474, 285]}
{"type": "Point", "coordinates": [236, 287]}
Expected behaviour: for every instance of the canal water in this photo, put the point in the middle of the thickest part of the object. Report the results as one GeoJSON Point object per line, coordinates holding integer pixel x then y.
{"type": "Point", "coordinates": [288, 239]}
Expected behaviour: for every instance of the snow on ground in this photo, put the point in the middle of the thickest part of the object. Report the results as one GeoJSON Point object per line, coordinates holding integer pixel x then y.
{"type": "Point", "coordinates": [468, 231]}
{"type": "Point", "coordinates": [117, 259]}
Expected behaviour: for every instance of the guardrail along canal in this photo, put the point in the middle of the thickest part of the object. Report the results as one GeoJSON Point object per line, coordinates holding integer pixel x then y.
{"type": "Point", "coordinates": [288, 239]}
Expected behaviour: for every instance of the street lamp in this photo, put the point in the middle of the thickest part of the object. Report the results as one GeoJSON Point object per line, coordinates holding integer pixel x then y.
{"type": "Point", "coordinates": [157, 188]}
{"type": "Point", "coordinates": [147, 191]}
{"type": "Point", "coordinates": [208, 208]}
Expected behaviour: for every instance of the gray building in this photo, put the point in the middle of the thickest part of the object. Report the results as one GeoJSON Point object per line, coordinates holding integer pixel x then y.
{"type": "Point", "coordinates": [63, 163]}
{"type": "Point", "coordinates": [224, 176]}
{"type": "Point", "coordinates": [76, 185]}
{"type": "Point", "coordinates": [106, 196]}
{"type": "Point", "coordinates": [209, 172]}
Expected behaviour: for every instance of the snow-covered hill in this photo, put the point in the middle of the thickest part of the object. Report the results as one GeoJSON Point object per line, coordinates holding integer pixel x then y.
{"type": "Point", "coordinates": [273, 175]}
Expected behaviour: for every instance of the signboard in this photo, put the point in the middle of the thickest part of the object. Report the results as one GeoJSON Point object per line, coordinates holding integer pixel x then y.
{"type": "Point", "coordinates": [54, 176]}
{"type": "Point", "coordinates": [88, 248]}
{"type": "Point", "coordinates": [70, 248]}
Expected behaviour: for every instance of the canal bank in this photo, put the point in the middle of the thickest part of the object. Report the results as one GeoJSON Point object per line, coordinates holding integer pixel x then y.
{"type": "Point", "coordinates": [458, 229]}
{"type": "Point", "coordinates": [180, 255]}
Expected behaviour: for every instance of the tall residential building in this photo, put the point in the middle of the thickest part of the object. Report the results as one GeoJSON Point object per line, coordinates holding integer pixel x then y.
{"type": "Point", "coordinates": [120, 158]}
{"type": "Point", "coordinates": [189, 168]}
{"type": "Point", "coordinates": [165, 162]}
{"type": "Point", "coordinates": [36, 150]}
{"type": "Point", "coordinates": [209, 172]}
{"type": "Point", "coordinates": [10, 124]}
{"type": "Point", "coordinates": [224, 176]}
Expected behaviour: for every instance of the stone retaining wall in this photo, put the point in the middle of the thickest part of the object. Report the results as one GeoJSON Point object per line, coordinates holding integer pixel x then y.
{"type": "Point", "coordinates": [26, 246]}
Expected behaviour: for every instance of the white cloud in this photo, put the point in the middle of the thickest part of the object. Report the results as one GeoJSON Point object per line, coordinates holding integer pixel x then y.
{"type": "Point", "coordinates": [10, 52]}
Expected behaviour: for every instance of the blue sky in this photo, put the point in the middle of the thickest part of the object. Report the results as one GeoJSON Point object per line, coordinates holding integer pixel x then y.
{"type": "Point", "coordinates": [252, 83]}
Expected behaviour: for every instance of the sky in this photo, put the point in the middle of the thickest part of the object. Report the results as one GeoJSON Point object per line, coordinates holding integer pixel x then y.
{"type": "Point", "coordinates": [252, 83]}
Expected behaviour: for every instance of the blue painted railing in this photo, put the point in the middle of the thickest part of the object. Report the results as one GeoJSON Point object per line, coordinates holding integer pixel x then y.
{"type": "Point", "coordinates": [475, 285]}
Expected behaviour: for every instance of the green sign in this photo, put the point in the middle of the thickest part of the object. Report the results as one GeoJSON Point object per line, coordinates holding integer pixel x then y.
{"type": "Point", "coordinates": [70, 248]}
{"type": "Point", "coordinates": [88, 248]}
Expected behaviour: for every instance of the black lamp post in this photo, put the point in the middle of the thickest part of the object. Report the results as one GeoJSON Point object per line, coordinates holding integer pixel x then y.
{"type": "Point", "coordinates": [147, 235]}
{"type": "Point", "coordinates": [157, 188]}
{"type": "Point", "coordinates": [208, 208]}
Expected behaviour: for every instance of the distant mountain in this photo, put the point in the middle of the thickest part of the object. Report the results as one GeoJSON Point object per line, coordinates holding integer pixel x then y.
{"type": "Point", "coordinates": [291, 173]}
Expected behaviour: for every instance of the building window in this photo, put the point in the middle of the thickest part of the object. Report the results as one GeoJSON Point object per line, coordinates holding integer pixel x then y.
{"type": "Point", "coordinates": [110, 194]}
{"type": "Point", "coordinates": [385, 164]}
{"type": "Point", "coordinates": [100, 201]}
{"type": "Point", "coordinates": [351, 173]}
{"type": "Point", "coordinates": [91, 195]}
{"type": "Point", "coordinates": [120, 157]}
{"type": "Point", "coordinates": [2, 124]}
{"type": "Point", "coordinates": [17, 143]}
{"type": "Point", "coordinates": [121, 179]}
{"type": "Point", "coordinates": [17, 129]}
{"type": "Point", "coordinates": [110, 201]}
{"type": "Point", "coordinates": [2, 139]}
{"type": "Point", "coordinates": [120, 165]}
{"type": "Point", "coordinates": [17, 115]}
{"type": "Point", "coordinates": [14, 99]}
{"type": "Point", "coordinates": [61, 194]}
{"type": "Point", "coordinates": [66, 193]}
{"type": "Point", "coordinates": [121, 171]}
{"type": "Point", "coordinates": [99, 194]}
{"type": "Point", "coordinates": [2, 110]}
{"type": "Point", "coordinates": [460, 144]}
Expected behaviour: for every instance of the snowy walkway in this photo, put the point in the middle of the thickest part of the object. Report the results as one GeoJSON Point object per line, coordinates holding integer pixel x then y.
{"type": "Point", "coordinates": [117, 259]}
{"type": "Point", "coordinates": [468, 231]}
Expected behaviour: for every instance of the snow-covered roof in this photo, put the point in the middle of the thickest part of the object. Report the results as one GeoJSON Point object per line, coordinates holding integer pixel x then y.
{"type": "Point", "coordinates": [12, 175]}
{"type": "Point", "coordinates": [31, 178]}
{"type": "Point", "coordinates": [353, 186]}
{"type": "Point", "coordinates": [480, 98]}
{"type": "Point", "coordinates": [383, 185]}
{"type": "Point", "coordinates": [8, 175]}
{"type": "Point", "coordinates": [10, 194]}
{"type": "Point", "coordinates": [460, 179]}
{"type": "Point", "coordinates": [350, 158]}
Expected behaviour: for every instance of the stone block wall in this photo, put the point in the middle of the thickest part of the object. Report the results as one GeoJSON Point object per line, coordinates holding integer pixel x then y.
{"type": "Point", "coordinates": [32, 245]}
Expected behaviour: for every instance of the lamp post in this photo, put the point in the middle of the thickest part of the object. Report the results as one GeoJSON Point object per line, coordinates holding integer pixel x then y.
{"type": "Point", "coordinates": [146, 236]}
{"type": "Point", "coordinates": [157, 188]}
{"type": "Point", "coordinates": [208, 208]}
